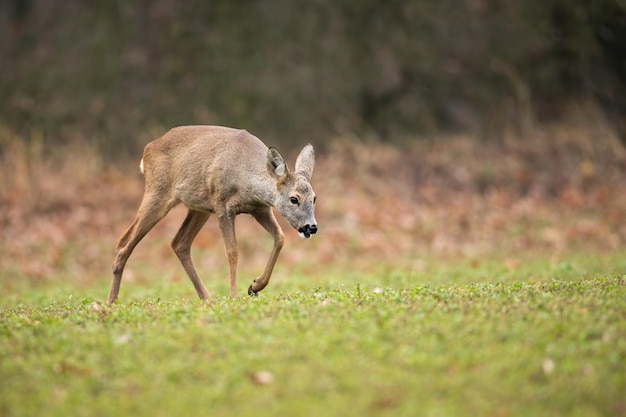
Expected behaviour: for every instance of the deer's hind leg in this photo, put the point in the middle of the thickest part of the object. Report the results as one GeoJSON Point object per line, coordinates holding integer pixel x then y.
{"type": "Point", "coordinates": [152, 209]}
{"type": "Point", "coordinates": [182, 247]}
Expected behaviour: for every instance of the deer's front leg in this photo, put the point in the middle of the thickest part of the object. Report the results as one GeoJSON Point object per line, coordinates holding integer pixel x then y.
{"type": "Point", "coordinates": [268, 221]}
{"type": "Point", "coordinates": [227, 227]}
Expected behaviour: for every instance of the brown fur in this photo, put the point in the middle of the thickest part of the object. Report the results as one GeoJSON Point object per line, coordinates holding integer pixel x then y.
{"type": "Point", "coordinates": [222, 171]}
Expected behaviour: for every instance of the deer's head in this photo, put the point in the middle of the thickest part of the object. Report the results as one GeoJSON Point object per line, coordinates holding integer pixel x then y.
{"type": "Point", "coordinates": [295, 199]}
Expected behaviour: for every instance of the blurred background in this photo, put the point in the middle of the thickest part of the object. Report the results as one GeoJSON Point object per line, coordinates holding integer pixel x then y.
{"type": "Point", "coordinates": [111, 72]}
{"type": "Point", "coordinates": [443, 128]}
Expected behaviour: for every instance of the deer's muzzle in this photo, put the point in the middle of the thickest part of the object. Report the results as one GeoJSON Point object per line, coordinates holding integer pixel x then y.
{"type": "Point", "coordinates": [307, 230]}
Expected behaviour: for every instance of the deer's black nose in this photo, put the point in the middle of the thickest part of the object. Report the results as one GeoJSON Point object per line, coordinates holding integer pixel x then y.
{"type": "Point", "coordinates": [308, 230]}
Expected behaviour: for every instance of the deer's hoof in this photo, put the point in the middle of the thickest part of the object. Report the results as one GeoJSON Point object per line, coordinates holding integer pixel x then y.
{"type": "Point", "coordinates": [252, 293]}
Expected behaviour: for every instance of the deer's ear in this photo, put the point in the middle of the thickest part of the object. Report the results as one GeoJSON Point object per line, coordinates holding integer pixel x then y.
{"type": "Point", "coordinates": [276, 165]}
{"type": "Point", "coordinates": [306, 162]}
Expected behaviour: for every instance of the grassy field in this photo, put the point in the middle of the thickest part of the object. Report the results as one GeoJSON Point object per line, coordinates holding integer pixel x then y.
{"type": "Point", "coordinates": [548, 339]}
{"type": "Point", "coordinates": [447, 279]}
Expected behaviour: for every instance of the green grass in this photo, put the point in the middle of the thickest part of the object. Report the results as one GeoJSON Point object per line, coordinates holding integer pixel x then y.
{"type": "Point", "coordinates": [383, 343]}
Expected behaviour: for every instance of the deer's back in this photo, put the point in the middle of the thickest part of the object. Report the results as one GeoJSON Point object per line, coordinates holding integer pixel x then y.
{"type": "Point", "coordinates": [204, 166]}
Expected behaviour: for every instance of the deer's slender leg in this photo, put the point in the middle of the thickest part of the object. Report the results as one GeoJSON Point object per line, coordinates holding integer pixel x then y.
{"type": "Point", "coordinates": [152, 209]}
{"type": "Point", "coordinates": [227, 226]}
{"type": "Point", "coordinates": [268, 221]}
{"type": "Point", "coordinates": [182, 247]}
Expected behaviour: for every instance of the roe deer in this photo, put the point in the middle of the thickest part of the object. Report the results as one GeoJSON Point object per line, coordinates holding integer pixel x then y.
{"type": "Point", "coordinates": [213, 169]}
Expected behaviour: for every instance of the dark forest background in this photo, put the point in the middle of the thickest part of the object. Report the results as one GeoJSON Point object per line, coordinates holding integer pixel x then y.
{"type": "Point", "coordinates": [117, 73]}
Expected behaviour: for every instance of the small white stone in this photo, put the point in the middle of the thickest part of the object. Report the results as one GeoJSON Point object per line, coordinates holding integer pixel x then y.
{"type": "Point", "coordinates": [263, 377]}
{"type": "Point", "coordinates": [548, 366]}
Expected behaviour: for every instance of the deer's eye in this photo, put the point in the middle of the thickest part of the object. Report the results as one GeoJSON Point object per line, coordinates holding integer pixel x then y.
{"type": "Point", "coordinates": [314, 199]}
{"type": "Point", "coordinates": [294, 200]}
